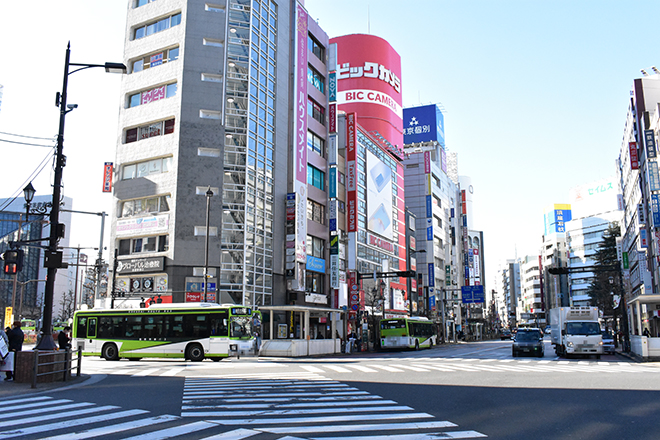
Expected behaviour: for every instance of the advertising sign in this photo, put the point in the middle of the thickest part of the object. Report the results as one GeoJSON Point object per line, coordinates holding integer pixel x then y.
{"type": "Point", "coordinates": [472, 294]}
{"type": "Point", "coordinates": [143, 225]}
{"type": "Point", "coordinates": [315, 264]}
{"type": "Point", "coordinates": [300, 129]}
{"type": "Point", "coordinates": [655, 209]}
{"type": "Point", "coordinates": [351, 176]}
{"type": "Point", "coordinates": [634, 160]}
{"type": "Point", "coordinates": [643, 239]}
{"type": "Point", "coordinates": [332, 118]}
{"type": "Point", "coordinates": [368, 82]}
{"type": "Point", "coordinates": [139, 265]}
{"type": "Point", "coordinates": [431, 275]}
{"type": "Point", "coordinates": [649, 140]}
{"type": "Point", "coordinates": [423, 124]}
{"type": "Point", "coordinates": [332, 87]}
{"type": "Point", "coordinates": [334, 271]}
{"type": "Point", "coordinates": [332, 149]}
{"type": "Point", "coordinates": [654, 176]}
{"type": "Point", "coordinates": [107, 177]}
{"type": "Point", "coordinates": [379, 196]}
{"type": "Point", "coordinates": [332, 182]}
{"type": "Point", "coordinates": [427, 162]}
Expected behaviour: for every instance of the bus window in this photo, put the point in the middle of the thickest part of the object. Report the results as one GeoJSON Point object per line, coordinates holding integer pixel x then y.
{"type": "Point", "coordinates": [91, 328]}
{"type": "Point", "coordinates": [219, 324]}
{"type": "Point", "coordinates": [134, 327]}
{"type": "Point", "coordinates": [195, 326]}
{"type": "Point", "coordinates": [81, 328]}
{"type": "Point", "coordinates": [153, 327]}
{"type": "Point", "coordinates": [176, 326]}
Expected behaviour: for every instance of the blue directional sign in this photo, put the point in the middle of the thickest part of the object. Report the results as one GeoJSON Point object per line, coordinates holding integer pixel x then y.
{"type": "Point", "coordinates": [472, 294]}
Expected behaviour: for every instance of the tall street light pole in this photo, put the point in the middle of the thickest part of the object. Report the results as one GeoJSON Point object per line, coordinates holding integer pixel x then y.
{"type": "Point", "coordinates": [209, 194]}
{"type": "Point", "coordinates": [53, 257]}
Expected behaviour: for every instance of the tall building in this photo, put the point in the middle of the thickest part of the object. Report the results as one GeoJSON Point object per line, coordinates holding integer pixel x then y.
{"type": "Point", "coordinates": [594, 207]}
{"type": "Point", "coordinates": [432, 194]}
{"type": "Point", "coordinates": [531, 304]}
{"type": "Point", "coordinates": [640, 183]}
{"type": "Point", "coordinates": [509, 275]}
{"type": "Point", "coordinates": [209, 104]}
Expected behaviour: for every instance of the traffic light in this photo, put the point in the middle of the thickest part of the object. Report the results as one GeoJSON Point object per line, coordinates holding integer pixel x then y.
{"type": "Point", "coordinates": [13, 261]}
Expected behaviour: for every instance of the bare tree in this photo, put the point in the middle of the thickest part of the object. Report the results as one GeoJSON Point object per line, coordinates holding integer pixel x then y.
{"type": "Point", "coordinates": [68, 304]}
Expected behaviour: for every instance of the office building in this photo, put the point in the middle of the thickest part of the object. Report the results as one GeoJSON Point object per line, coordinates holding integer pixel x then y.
{"type": "Point", "coordinates": [209, 106]}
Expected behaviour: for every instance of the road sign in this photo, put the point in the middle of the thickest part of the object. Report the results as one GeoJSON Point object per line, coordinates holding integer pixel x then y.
{"type": "Point", "coordinates": [472, 294]}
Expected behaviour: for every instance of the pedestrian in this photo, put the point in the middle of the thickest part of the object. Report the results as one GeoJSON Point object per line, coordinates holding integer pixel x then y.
{"type": "Point", "coordinates": [16, 338]}
{"type": "Point", "coordinates": [646, 333]}
{"type": "Point", "coordinates": [63, 338]}
{"type": "Point", "coordinates": [256, 332]}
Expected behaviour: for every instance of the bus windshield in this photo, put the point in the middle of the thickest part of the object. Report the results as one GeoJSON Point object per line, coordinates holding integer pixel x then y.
{"type": "Point", "coordinates": [240, 327]}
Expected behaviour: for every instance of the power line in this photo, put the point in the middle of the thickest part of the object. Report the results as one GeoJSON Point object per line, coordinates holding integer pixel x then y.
{"type": "Point", "coordinates": [34, 174]}
{"type": "Point", "coordinates": [25, 143]}
{"type": "Point", "coordinates": [30, 137]}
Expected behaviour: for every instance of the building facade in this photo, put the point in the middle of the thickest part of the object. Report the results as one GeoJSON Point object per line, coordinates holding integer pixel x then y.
{"type": "Point", "coordinates": [207, 114]}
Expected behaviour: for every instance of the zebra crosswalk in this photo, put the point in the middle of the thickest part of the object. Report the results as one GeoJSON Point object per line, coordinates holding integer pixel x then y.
{"type": "Point", "coordinates": [306, 405]}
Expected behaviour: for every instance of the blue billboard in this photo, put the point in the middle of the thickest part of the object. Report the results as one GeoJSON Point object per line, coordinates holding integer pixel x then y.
{"type": "Point", "coordinates": [423, 124]}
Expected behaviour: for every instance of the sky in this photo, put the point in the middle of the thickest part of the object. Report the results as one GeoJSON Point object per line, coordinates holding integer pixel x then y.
{"type": "Point", "coordinates": [535, 95]}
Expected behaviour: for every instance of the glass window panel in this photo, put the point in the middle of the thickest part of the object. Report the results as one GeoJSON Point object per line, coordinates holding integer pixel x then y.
{"type": "Point", "coordinates": [129, 172]}
{"type": "Point", "coordinates": [127, 210]}
{"type": "Point", "coordinates": [171, 90]}
{"type": "Point", "coordinates": [167, 164]}
{"type": "Point", "coordinates": [140, 32]}
{"type": "Point", "coordinates": [137, 245]}
{"type": "Point", "coordinates": [134, 100]}
{"type": "Point", "coordinates": [138, 65]}
{"type": "Point", "coordinates": [173, 54]}
{"type": "Point", "coordinates": [164, 203]}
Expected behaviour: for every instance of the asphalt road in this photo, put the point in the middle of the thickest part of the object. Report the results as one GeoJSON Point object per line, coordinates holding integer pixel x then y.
{"type": "Point", "coordinates": [473, 390]}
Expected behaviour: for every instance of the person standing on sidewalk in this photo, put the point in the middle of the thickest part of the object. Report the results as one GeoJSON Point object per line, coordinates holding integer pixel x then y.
{"type": "Point", "coordinates": [16, 338]}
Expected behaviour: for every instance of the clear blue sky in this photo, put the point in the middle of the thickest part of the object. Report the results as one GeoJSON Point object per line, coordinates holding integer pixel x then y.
{"type": "Point", "coordinates": [535, 94]}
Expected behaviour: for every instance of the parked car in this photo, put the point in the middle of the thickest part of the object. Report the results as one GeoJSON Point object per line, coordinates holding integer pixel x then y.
{"type": "Point", "coordinates": [608, 341]}
{"type": "Point", "coordinates": [528, 341]}
{"type": "Point", "coordinates": [506, 334]}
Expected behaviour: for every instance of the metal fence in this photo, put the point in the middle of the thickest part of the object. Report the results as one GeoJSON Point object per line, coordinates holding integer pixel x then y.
{"type": "Point", "coordinates": [69, 363]}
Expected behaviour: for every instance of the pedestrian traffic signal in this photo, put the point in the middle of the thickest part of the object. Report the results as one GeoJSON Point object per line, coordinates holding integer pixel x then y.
{"type": "Point", "coordinates": [13, 261]}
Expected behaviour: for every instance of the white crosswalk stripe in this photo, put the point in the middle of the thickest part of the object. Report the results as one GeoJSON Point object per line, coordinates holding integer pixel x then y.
{"type": "Point", "coordinates": [93, 421]}
{"type": "Point", "coordinates": [307, 407]}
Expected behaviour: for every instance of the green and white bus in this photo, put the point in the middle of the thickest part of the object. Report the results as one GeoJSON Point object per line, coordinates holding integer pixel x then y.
{"type": "Point", "coordinates": [417, 332]}
{"type": "Point", "coordinates": [193, 332]}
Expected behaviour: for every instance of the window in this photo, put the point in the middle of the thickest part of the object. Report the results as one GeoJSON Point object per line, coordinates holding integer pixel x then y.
{"type": "Point", "coordinates": [316, 79]}
{"type": "Point", "coordinates": [152, 95]}
{"type": "Point", "coordinates": [316, 111]}
{"type": "Point", "coordinates": [155, 59]}
{"type": "Point", "coordinates": [314, 282]}
{"type": "Point", "coordinates": [315, 144]}
{"type": "Point", "coordinates": [143, 169]}
{"type": "Point", "coordinates": [315, 177]}
{"type": "Point", "coordinates": [315, 211]}
{"type": "Point", "coordinates": [149, 130]}
{"type": "Point", "coordinates": [315, 47]}
{"type": "Point", "coordinates": [146, 205]}
{"type": "Point", "coordinates": [139, 3]}
{"type": "Point", "coordinates": [315, 247]}
{"type": "Point", "coordinates": [142, 245]}
{"type": "Point", "coordinates": [157, 26]}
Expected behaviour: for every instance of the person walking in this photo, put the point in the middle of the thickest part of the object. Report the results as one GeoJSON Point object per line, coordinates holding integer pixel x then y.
{"type": "Point", "coordinates": [63, 338]}
{"type": "Point", "coordinates": [16, 338]}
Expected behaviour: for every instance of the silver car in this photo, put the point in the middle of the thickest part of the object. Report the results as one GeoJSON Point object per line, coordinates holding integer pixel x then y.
{"type": "Point", "coordinates": [608, 341]}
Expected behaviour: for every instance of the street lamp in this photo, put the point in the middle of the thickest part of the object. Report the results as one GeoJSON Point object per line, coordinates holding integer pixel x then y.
{"type": "Point", "coordinates": [209, 194]}
{"type": "Point", "coordinates": [53, 257]}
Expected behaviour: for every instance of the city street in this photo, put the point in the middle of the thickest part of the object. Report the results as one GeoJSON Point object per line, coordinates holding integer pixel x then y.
{"type": "Point", "coordinates": [472, 390]}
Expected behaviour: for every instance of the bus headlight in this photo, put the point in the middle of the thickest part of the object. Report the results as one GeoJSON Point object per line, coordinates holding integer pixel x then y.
{"type": "Point", "coordinates": [569, 344]}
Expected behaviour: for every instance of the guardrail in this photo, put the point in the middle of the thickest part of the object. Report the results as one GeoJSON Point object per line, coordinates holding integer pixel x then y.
{"type": "Point", "coordinates": [66, 364]}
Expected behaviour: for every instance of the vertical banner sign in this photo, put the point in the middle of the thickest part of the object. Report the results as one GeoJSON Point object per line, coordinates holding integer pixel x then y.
{"type": "Point", "coordinates": [431, 275]}
{"type": "Point", "coordinates": [427, 162]}
{"type": "Point", "coordinates": [332, 111]}
{"type": "Point", "coordinates": [634, 161]}
{"type": "Point", "coordinates": [332, 87]}
{"type": "Point", "coordinates": [655, 209]}
{"type": "Point", "coordinates": [107, 177]}
{"type": "Point", "coordinates": [640, 214]}
{"type": "Point", "coordinates": [332, 216]}
{"type": "Point", "coordinates": [300, 146]}
{"type": "Point", "coordinates": [626, 261]}
{"type": "Point", "coordinates": [654, 176]}
{"type": "Point", "coordinates": [332, 149]}
{"type": "Point", "coordinates": [643, 240]}
{"type": "Point", "coordinates": [332, 182]}
{"type": "Point", "coordinates": [351, 178]}
{"type": "Point", "coordinates": [649, 140]}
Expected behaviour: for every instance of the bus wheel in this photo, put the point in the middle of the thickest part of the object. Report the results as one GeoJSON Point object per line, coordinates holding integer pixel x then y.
{"type": "Point", "coordinates": [110, 352]}
{"type": "Point", "coordinates": [416, 344]}
{"type": "Point", "coordinates": [195, 352]}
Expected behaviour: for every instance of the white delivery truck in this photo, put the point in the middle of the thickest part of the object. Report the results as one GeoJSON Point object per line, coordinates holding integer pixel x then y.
{"type": "Point", "coordinates": [576, 331]}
